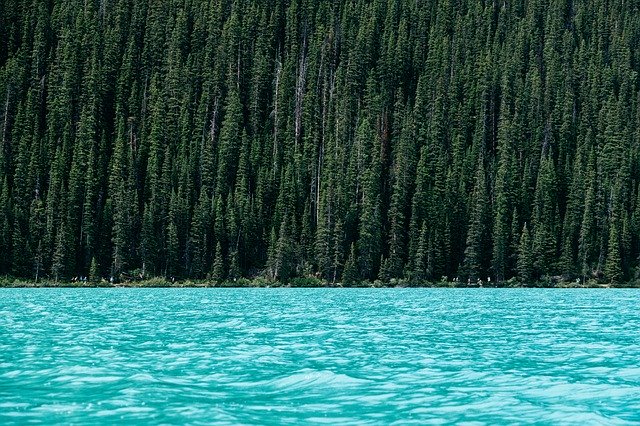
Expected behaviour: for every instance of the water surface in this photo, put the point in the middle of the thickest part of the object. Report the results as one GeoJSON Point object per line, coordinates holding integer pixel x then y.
{"type": "Point", "coordinates": [334, 356]}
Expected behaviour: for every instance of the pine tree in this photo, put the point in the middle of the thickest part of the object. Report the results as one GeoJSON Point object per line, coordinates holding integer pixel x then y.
{"type": "Point", "coordinates": [5, 229]}
{"type": "Point", "coordinates": [544, 219]}
{"type": "Point", "coordinates": [350, 275]}
{"type": "Point", "coordinates": [422, 269]}
{"type": "Point", "coordinates": [217, 271]}
{"type": "Point", "coordinates": [94, 271]}
{"type": "Point", "coordinates": [370, 234]}
{"type": "Point", "coordinates": [122, 200]}
{"type": "Point", "coordinates": [59, 259]}
{"type": "Point", "coordinates": [234, 266]}
{"type": "Point", "coordinates": [525, 257]}
{"type": "Point", "coordinates": [502, 206]}
{"type": "Point", "coordinates": [198, 239]}
{"type": "Point", "coordinates": [230, 140]}
{"type": "Point", "coordinates": [613, 265]}
{"type": "Point", "coordinates": [473, 255]}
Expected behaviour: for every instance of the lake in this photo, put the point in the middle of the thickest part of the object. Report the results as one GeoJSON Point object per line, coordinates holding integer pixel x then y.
{"type": "Point", "coordinates": [332, 356]}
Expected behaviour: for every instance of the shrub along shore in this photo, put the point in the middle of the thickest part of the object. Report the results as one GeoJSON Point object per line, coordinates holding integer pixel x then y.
{"type": "Point", "coordinates": [307, 282]}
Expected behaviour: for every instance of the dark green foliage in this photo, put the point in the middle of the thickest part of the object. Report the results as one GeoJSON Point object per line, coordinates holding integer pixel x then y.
{"type": "Point", "coordinates": [217, 271]}
{"type": "Point", "coordinates": [94, 271]}
{"type": "Point", "coordinates": [525, 256]}
{"type": "Point", "coordinates": [475, 252]}
{"type": "Point", "coordinates": [338, 140]}
{"type": "Point", "coordinates": [350, 274]}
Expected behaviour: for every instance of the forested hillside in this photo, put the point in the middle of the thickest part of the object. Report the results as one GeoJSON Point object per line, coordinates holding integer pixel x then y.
{"type": "Point", "coordinates": [343, 139]}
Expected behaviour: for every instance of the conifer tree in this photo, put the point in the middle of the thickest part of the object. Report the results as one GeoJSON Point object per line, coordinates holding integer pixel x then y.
{"type": "Point", "coordinates": [544, 219]}
{"type": "Point", "coordinates": [198, 237]}
{"type": "Point", "coordinates": [94, 271]}
{"type": "Point", "coordinates": [473, 255]}
{"type": "Point", "coordinates": [350, 274]}
{"type": "Point", "coordinates": [217, 271]}
{"type": "Point", "coordinates": [370, 233]}
{"type": "Point", "coordinates": [525, 256]}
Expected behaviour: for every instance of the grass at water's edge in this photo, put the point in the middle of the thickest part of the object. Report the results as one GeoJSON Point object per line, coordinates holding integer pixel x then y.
{"type": "Point", "coordinates": [11, 282]}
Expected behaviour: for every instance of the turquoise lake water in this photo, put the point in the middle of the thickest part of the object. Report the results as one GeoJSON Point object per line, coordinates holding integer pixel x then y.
{"type": "Point", "coordinates": [333, 356]}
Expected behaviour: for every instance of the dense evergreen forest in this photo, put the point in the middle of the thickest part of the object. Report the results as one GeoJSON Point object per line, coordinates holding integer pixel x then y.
{"type": "Point", "coordinates": [347, 140]}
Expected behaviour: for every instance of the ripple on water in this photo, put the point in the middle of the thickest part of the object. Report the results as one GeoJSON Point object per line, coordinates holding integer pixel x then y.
{"type": "Point", "coordinates": [311, 379]}
{"type": "Point", "coordinates": [292, 356]}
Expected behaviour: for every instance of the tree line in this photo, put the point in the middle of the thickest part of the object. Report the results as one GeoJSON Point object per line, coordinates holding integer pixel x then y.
{"type": "Point", "coordinates": [349, 140]}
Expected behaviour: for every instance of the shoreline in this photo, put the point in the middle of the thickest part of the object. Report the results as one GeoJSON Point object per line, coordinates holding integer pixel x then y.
{"type": "Point", "coordinates": [296, 283]}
